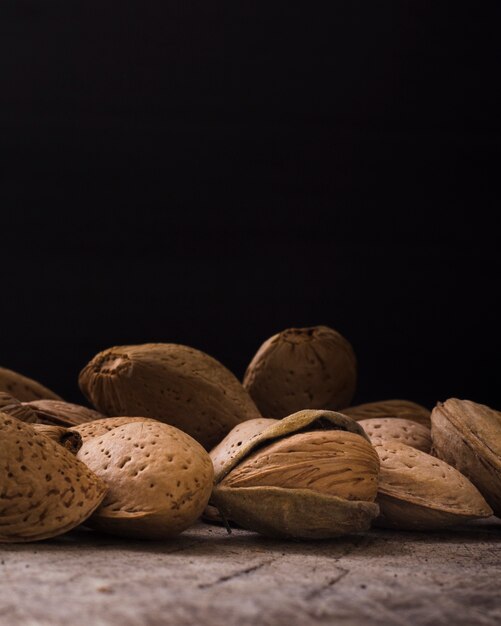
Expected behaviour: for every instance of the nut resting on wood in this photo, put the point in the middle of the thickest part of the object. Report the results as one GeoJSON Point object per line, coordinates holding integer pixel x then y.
{"type": "Point", "coordinates": [302, 368]}
{"type": "Point", "coordinates": [159, 479]}
{"type": "Point", "coordinates": [311, 475]}
{"type": "Point", "coordinates": [44, 490]}
{"type": "Point", "coordinates": [468, 436]}
{"type": "Point", "coordinates": [172, 383]}
{"type": "Point", "coordinates": [420, 492]}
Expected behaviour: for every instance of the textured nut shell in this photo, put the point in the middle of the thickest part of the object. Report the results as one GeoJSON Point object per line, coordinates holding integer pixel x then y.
{"type": "Point", "coordinates": [44, 490]}
{"type": "Point", "coordinates": [302, 368]}
{"type": "Point", "coordinates": [306, 420]}
{"type": "Point", "coordinates": [331, 462]}
{"type": "Point", "coordinates": [400, 430]}
{"type": "Point", "coordinates": [59, 413]}
{"type": "Point", "coordinates": [239, 435]}
{"type": "Point", "coordinates": [172, 383]}
{"type": "Point", "coordinates": [468, 436]}
{"type": "Point", "coordinates": [404, 409]}
{"type": "Point", "coordinates": [293, 513]}
{"type": "Point", "coordinates": [440, 495]}
{"type": "Point", "coordinates": [72, 441]}
{"type": "Point", "coordinates": [159, 479]}
{"type": "Point", "coordinates": [23, 388]}
{"type": "Point", "coordinates": [12, 406]}
{"type": "Point", "coordinates": [104, 425]}
{"type": "Point", "coordinates": [298, 513]}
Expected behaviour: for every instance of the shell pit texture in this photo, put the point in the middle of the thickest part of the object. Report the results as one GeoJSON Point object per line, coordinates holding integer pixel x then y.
{"type": "Point", "coordinates": [44, 490]}
{"type": "Point", "coordinates": [159, 479]}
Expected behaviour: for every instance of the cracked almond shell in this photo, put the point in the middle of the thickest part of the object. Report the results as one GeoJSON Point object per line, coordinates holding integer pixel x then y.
{"type": "Point", "coordinates": [282, 481]}
{"type": "Point", "coordinates": [44, 490]}
{"type": "Point", "coordinates": [24, 388]}
{"type": "Point", "coordinates": [172, 383]}
{"type": "Point", "coordinates": [399, 430]}
{"type": "Point", "coordinates": [302, 368]}
{"type": "Point", "coordinates": [159, 479]}
{"type": "Point", "coordinates": [403, 409]}
{"type": "Point", "coordinates": [420, 492]}
{"type": "Point", "coordinates": [59, 413]}
{"type": "Point", "coordinates": [467, 435]}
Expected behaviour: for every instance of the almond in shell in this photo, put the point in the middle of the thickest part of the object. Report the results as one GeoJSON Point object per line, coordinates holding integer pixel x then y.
{"type": "Point", "coordinates": [159, 479]}
{"type": "Point", "coordinates": [302, 368]}
{"type": "Point", "coordinates": [44, 490]}
{"type": "Point", "coordinates": [23, 388]}
{"type": "Point", "coordinates": [403, 409]}
{"type": "Point", "coordinates": [311, 475]}
{"type": "Point", "coordinates": [172, 383]}
{"type": "Point", "coordinates": [468, 436]}
{"type": "Point", "coordinates": [420, 492]}
{"type": "Point", "coordinates": [12, 406]}
{"type": "Point", "coordinates": [59, 413]}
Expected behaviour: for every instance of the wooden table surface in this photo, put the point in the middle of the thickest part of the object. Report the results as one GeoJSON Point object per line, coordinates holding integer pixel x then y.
{"type": "Point", "coordinates": [208, 577]}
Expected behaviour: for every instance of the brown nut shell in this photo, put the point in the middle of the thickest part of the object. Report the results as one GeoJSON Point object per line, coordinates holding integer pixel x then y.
{"type": "Point", "coordinates": [282, 510]}
{"type": "Point", "coordinates": [23, 388]}
{"type": "Point", "coordinates": [402, 409]}
{"type": "Point", "coordinates": [302, 368]}
{"type": "Point", "coordinates": [468, 436]}
{"type": "Point", "coordinates": [12, 406]}
{"type": "Point", "coordinates": [59, 413]}
{"type": "Point", "coordinates": [159, 479]}
{"type": "Point", "coordinates": [44, 490]}
{"type": "Point", "coordinates": [72, 441]}
{"type": "Point", "coordinates": [420, 492]}
{"type": "Point", "coordinates": [172, 383]}
{"type": "Point", "coordinates": [102, 426]}
{"type": "Point", "coordinates": [400, 430]}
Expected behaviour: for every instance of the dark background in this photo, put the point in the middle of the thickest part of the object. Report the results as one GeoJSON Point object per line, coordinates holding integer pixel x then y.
{"type": "Point", "coordinates": [209, 174]}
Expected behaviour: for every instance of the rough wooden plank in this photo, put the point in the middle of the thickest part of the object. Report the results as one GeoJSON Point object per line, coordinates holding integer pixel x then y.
{"type": "Point", "coordinates": [206, 576]}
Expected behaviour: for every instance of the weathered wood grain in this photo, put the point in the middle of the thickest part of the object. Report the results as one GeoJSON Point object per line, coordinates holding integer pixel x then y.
{"type": "Point", "coordinates": [209, 577]}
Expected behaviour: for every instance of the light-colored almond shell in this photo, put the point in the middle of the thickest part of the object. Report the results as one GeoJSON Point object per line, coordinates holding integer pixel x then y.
{"type": "Point", "coordinates": [44, 490]}
{"type": "Point", "coordinates": [24, 388]}
{"type": "Point", "coordinates": [423, 492]}
{"type": "Point", "coordinates": [400, 430]}
{"type": "Point", "coordinates": [302, 368]}
{"type": "Point", "coordinates": [467, 435]}
{"type": "Point", "coordinates": [403, 409]}
{"type": "Point", "coordinates": [159, 479]}
{"type": "Point", "coordinates": [284, 512]}
{"type": "Point", "coordinates": [72, 441]}
{"type": "Point", "coordinates": [12, 406]}
{"type": "Point", "coordinates": [104, 425]}
{"type": "Point", "coordinates": [172, 383]}
{"type": "Point", "coordinates": [59, 413]}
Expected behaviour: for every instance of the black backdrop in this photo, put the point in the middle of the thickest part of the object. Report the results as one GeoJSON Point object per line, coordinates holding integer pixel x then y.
{"type": "Point", "coordinates": [210, 174]}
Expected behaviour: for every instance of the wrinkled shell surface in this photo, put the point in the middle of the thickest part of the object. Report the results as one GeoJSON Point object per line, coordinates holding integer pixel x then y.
{"type": "Point", "coordinates": [302, 368]}
{"type": "Point", "coordinates": [59, 413]}
{"type": "Point", "coordinates": [12, 406]}
{"type": "Point", "coordinates": [468, 436]}
{"type": "Point", "coordinates": [104, 425]}
{"type": "Point", "coordinates": [420, 492]}
{"type": "Point", "coordinates": [400, 430]}
{"type": "Point", "coordinates": [278, 509]}
{"type": "Point", "coordinates": [159, 479]}
{"type": "Point", "coordinates": [332, 462]}
{"type": "Point", "coordinates": [23, 388]}
{"type": "Point", "coordinates": [44, 490]}
{"type": "Point", "coordinates": [172, 383]}
{"type": "Point", "coordinates": [403, 409]}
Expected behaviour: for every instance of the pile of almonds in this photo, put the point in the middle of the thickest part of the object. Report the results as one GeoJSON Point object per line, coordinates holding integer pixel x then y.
{"type": "Point", "coordinates": [174, 436]}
